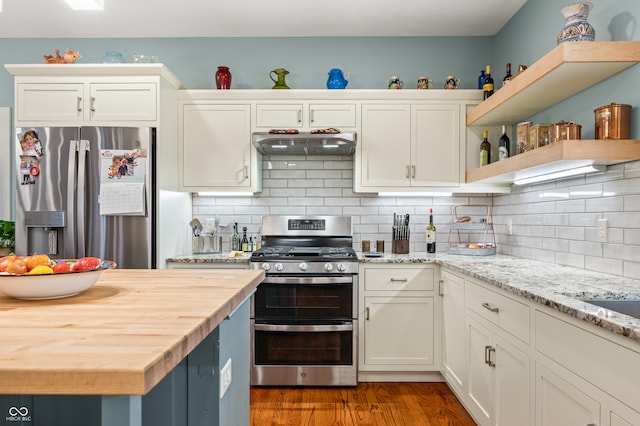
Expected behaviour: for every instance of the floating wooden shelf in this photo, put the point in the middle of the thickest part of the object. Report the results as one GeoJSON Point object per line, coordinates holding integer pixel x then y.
{"type": "Point", "coordinates": [566, 70]}
{"type": "Point", "coordinates": [556, 157]}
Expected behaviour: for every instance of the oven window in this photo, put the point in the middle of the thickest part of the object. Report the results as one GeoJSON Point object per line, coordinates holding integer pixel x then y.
{"type": "Point", "coordinates": [290, 301]}
{"type": "Point", "coordinates": [303, 348]}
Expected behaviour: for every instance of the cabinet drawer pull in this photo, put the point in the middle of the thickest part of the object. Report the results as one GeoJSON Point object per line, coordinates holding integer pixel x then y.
{"type": "Point", "coordinates": [92, 104]}
{"type": "Point", "coordinates": [491, 308]}
{"type": "Point", "coordinates": [487, 356]}
{"type": "Point", "coordinates": [407, 173]}
{"type": "Point", "coordinates": [440, 289]}
{"type": "Point", "coordinates": [246, 172]}
{"type": "Point", "coordinates": [299, 116]}
{"type": "Point", "coordinates": [311, 116]}
{"type": "Point", "coordinates": [413, 171]}
{"type": "Point", "coordinates": [401, 280]}
{"type": "Point", "coordinates": [79, 105]}
{"type": "Point", "coordinates": [366, 315]}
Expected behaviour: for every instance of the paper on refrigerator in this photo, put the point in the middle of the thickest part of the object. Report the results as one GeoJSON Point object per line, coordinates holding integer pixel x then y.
{"type": "Point", "coordinates": [122, 178]}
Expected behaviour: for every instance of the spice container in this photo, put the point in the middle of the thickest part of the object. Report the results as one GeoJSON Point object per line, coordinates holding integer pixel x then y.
{"type": "Point", "coordinates": [539, 135]}
{"type": "Point", "coordinates": [563, 131]}
{"type": "Point", "coordinates": [522, 137]}
{"type": "Point", "coordinates": [613, 121]}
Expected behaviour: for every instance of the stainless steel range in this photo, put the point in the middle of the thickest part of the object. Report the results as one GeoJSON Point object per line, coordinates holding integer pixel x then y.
{"type": "Point", "coordinates": [304, 315]}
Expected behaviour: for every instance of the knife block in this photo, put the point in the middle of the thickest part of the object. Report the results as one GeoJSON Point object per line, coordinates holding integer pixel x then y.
{"type": "Point", "coordinates": [400, 246]}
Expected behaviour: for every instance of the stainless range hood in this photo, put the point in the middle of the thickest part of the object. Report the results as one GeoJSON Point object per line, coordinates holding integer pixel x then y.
{"type": "Point", "coordinates": [305, 143]}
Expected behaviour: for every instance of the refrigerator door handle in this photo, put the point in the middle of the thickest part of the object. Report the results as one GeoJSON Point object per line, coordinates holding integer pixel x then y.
{"type": "Point", "coordinates": [69, 235]}
{"type": "Point", "coordinates": [83, 148]}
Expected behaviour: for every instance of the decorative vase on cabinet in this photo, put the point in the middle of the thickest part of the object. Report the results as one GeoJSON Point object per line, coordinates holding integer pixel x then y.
{"type": "Point", "coordinates": [576, 27]}
{"type": "Point", "coordinates": [223, 78]}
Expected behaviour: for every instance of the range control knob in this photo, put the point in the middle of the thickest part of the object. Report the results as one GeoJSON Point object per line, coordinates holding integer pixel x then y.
{"type": "Point", "coordinates": [328, 267]}
{"type": "Point", "coordinates": [266, 266]}
{"type": "Point", "coordinates": [341, 267]}
{"type": "Point", "coordinates": [279, 267]}
{"type": "Point", "coordinates": [303, 266]}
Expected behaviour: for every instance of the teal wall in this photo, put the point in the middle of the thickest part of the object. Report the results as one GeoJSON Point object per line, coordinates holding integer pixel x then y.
{"type": "Point", "coordinates": [369, 61]}
{"type": "Point", "coordinates": [532, 32]}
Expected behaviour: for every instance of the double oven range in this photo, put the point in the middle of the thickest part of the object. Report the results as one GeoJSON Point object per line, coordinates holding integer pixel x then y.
{"type": "Point", "coordinates": [304, 315]}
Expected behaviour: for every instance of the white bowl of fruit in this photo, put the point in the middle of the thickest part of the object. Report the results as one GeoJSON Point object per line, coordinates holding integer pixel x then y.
{"type": "Point", "coordinates": [38, 277]}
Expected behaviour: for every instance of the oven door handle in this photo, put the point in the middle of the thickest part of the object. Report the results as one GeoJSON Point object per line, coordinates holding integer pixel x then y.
{"type": "Point", "coordinates": [303, 328]}
{"type": "Point", "coordinates": [308, 280]}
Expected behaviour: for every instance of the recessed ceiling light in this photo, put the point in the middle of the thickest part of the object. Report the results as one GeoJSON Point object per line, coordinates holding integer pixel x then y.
{"type": "Point", "coordinates": [85, 4]}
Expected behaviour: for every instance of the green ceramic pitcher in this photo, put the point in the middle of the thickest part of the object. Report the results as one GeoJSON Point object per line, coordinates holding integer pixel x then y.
{"type": "Point", "coordinates": [279, 81]}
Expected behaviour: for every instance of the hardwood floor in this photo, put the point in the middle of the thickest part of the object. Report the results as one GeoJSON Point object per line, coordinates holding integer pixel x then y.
{"type": "Point", "coordinates": [368, 404]}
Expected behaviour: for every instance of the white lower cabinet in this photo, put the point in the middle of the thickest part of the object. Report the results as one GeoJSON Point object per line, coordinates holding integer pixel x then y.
{"type": "Point", "coordinates": [454, 358]}
{"type": "Point", "coordinates": [559, 403]}
{"type": "Point", "coordinates": [498, 377]}
{"type": "Point", "coordinates": [399, 326]}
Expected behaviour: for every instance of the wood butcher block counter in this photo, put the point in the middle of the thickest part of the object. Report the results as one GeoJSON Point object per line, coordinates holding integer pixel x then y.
{"type": "Point", "coordinates": [120, 337]}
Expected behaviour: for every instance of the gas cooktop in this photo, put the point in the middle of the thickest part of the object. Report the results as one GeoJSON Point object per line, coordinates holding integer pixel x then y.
{"type": "Point", "coordinates": [306, 253]}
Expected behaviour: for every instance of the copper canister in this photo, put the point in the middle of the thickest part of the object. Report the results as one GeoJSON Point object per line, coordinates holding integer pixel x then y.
{"type": "Point", "coordinates": [613, 121]}
{"type": "Point", "coordinates": [564, 131]}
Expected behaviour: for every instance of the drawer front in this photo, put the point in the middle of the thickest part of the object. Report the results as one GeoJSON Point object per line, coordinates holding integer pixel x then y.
{"type": "Point", "coordinates": [279, 116]}
{"type": "Point", "coordinates": [399, 279]}
{"type": "Point", "coordinates": [505, 312]}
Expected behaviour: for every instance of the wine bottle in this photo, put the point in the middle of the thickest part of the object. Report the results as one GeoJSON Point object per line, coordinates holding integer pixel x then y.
{"type": "Point", "coordinates": [235, 239]}
{"type": "Point", "coordinates": [487, 87]}
{"type": "Point", "coordinates": [245, 240]}
{"type": "Point", "coordinates": [431, 234]}
{"type": "Point", "coordinates": [507, 77]}
{"type": "Point", "coordinates": [503, 144]}
{"type": "Point", "coordinates": [485, 149]}
{"type": "Point", "coordinates": [481, 78]}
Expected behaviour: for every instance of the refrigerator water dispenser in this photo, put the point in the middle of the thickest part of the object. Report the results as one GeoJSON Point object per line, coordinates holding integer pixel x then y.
{"type": "Point", "coordinates": [45, 230]}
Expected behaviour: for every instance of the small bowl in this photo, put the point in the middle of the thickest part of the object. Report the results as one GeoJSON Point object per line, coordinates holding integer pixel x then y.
{"type": "Point", "coordinates": [51, 286]}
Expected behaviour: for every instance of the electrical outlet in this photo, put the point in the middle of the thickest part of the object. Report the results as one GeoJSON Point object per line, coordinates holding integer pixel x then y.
{"type": "Point", "coordinates": [225, 378]}
{"type": "Point", "coordinates": [603, 230]}
{"type": "Point", "coordinates": [510, 226]}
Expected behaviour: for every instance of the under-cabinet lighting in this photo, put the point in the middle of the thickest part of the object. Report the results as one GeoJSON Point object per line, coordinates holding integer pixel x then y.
{"type": "Point", "coordinates": [225, 194]}
{"type": "Point", "coordinates": [330, 146]}
{"type": "Point", "coordinates": [86, 4]}
{"type": "Point", "coordinates": [415, 194]}
{"type": "Point", "coordinates": [560, 174]}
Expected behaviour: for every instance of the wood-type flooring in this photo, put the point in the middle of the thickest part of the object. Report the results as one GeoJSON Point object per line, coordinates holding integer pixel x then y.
{"type": "Point", "coordinates": [368, 404]}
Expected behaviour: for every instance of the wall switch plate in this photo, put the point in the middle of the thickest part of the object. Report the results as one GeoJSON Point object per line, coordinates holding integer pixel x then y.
{"type": "Point", "coordinates": [603, 230]}
{"type": "Point", "coordinates": [225, 378]}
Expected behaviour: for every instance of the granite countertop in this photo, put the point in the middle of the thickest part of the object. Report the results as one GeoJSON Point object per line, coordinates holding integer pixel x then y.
{"type": "Point", "coordinates": [556, 286]}
{"type": "Point", "coordinates": [211, 258]}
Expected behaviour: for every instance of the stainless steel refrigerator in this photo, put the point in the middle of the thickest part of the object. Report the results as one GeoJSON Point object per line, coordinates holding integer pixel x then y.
{"type": "Point", "coordinates": [87, 191]}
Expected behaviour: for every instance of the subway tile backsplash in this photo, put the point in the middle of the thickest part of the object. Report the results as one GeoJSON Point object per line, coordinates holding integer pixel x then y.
{"type": "Point", "coordinates": [552, 221]}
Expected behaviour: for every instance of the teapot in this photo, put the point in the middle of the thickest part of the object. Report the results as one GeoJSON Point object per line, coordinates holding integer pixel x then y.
{"type": "Point", "coordinates": [451, 82]}
{"type": "Point", "coordinates": [280, 83]}
{"type": "Point", "coordinates": [336, 79]}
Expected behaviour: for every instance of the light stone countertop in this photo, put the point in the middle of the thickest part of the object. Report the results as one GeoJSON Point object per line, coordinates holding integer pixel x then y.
{"type": "Point", "coordinates": [555, 286]}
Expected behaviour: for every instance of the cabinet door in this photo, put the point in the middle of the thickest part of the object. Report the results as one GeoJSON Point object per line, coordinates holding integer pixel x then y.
{"type": "Point", "coordinates": [279, 116]}
{"type": "Point", "coordinates": [398, 331]}
{"type": "Point", "coordinates": [480, 386]}
{"type": "Point", "coordinates": [216, 146]}
{"type": "Point", "coordinates": [559, 403]}
{"type": "Point", "coordinates": [50, 102]}
{"type": "Point", "coordinates": [385, 146]}
{"type": "Point", "coordinates": [453, 347]}
{"type": "Point", "coordinates": [323, 116]}
{"type": "Point", "coordinates": [123, 102]}
{"type": "Point", "coordinates": [435, 151]}
{"type": "Point", "coordinates": [512, 385]}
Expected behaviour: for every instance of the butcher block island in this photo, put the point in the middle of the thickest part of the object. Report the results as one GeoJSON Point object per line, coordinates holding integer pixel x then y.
{"type": "Point", "coordinates": [140, 347]}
